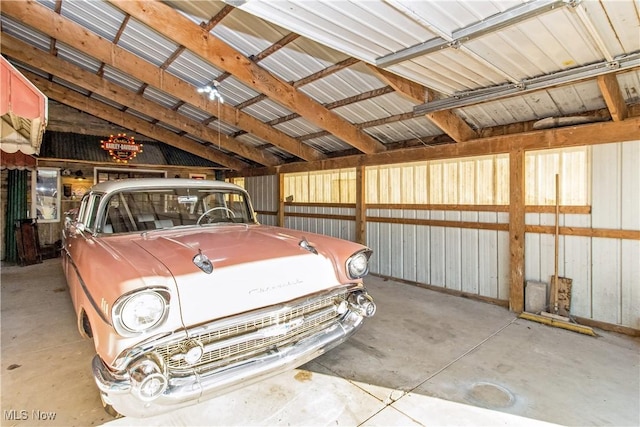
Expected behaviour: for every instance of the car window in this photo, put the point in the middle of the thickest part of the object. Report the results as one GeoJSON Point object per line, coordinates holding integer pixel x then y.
{"type": "Point", "coordinates": [152, 209]}
{"type": "Point", "coordinates": [93, 206]}
{"type": "Point", "coordinates": [83, 207]}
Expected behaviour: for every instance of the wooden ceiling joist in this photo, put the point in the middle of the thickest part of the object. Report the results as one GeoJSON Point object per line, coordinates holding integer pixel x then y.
{"type": "Point", "coordinates": [608, 84]}
{"type": "Point", "coordinates": [181, 30]}
{"type": "Point", "coordinates": [99, 109]}
{"type": "Point", "coordinates": [450, 124]}
{"type": "Point", "coordinates": [36, 58]}
{"type": "Point", "coordinates": [76, 36]}
{"type": "Point", "coordinates": [326, 72]}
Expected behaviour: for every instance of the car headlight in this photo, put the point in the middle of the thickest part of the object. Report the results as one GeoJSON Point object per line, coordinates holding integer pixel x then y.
{"type": "Point", "coordinates": [358, 264]}
{"type": "Point", "coordinates": [140, 311]}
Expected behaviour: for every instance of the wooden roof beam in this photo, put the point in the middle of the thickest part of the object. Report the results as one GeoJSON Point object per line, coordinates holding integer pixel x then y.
{"type": "Point", "coordinates": [450, 123]}
{"type": "Point", "coordinates": [78, 37]}
{"type": "Point", "coordinates": [95, 84]}
{"type": "Point", "coordinates": [610, 89]}
{"type": "Point", "coordinates": [569, 136]}
{"type": "Point", "coordinates": [180, 29]}
{"type": "Point", "coordinates": [127, 121]}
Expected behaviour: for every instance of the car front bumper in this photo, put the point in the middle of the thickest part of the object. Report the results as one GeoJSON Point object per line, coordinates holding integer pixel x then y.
{"type": "Point", "coordinates": [117, 389]}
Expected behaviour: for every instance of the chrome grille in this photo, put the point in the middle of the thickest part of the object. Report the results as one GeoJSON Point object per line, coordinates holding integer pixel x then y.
{"type": "Point", "coordinates": [233, 342]}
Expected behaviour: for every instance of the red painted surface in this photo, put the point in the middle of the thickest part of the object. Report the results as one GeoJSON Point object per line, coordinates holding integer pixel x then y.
{"type": "Point", "coordinates": [18, 95]}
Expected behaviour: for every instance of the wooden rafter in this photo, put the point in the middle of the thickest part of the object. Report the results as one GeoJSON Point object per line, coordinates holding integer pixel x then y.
{"type": "Point", "coordinates": [95, 84]}
{"type": "Point", "coordinates": [125, 120]}
{"type": "Point", "coordinates": [257, 58]}
{"type": "Point", "coordinates": [76, 36]}
{"type": "Point", "coordinates": [331, 105]}
{"type": "Point", "coordinates": [570, 136]}
{"type": "Point", "coordinates": [181, 30]}
{"type": "Point", "coordinates": [451, 124]}
{"type": "Point", "coordinates": [306, 80]}
{"type": "Point", "coordinates": [275, 47]}
{"type": "Point", "coordinates": [326, 72]}
{"type": "Point", "coordinates": [215, 20]}
{"type": "Point", "coordinates": [610, 89]}
{"type": "Point", "coordinates": [265, 53]}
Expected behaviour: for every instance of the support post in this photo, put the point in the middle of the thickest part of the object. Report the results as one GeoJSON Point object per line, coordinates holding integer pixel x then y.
{"type": "Point", "coordinates": [281, 197]}
{"type": "Point", "coordinates": [516, 229]}
{"type": "Point", "coordinates": [361, 206]}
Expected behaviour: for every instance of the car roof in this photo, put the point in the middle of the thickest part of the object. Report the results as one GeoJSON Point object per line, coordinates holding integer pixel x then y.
{"type": "Point", "coordinates": [155, 183]}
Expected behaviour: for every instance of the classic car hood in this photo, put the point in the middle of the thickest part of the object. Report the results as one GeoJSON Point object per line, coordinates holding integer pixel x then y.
{"type": "Point", "coordinates": [253, 267]}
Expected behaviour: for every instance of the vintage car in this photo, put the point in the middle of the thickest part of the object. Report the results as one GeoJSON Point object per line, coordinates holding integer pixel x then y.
{"type": "Point", "coordinates": [187, 296]}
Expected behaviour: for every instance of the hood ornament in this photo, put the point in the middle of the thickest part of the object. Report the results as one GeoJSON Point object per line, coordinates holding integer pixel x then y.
{"type": "Point", "coordinates": [202, 262]}
{"type": "Point", "coordinates": [304, 244]}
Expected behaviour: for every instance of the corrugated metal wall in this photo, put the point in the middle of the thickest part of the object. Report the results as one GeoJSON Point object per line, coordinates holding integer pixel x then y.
{"type": "Point", "coordinates": [468, 260]}
{"type": "Point", "coordinates": [340, 228]}
{"type": "Point", "coordinates": [605, 271]}
{"type": "Point", "coordinates": [264, 196]}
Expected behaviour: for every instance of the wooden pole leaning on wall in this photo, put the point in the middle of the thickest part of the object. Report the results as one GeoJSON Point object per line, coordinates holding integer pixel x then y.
{"type": "Point", "coordinates": [516, 230]}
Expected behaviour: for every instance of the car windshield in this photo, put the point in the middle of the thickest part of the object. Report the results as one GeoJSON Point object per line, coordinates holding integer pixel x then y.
{"type": "Point", "coordinates": [141, 210]}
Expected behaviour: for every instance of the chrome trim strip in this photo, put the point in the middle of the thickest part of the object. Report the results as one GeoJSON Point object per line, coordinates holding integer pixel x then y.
{"type": "Point", "coordinates": [184, 391]}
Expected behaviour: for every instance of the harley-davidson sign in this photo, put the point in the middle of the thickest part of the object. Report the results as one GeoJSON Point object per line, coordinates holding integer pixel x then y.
{"type": "Point", "coordinates": [121, 148]}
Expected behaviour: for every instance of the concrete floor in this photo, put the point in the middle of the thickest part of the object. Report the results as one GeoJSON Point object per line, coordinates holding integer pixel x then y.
{"type": "Point", "coordinates": [426, 358]}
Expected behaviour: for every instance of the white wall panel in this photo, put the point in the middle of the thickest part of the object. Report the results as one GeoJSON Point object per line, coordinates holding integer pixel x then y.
{"type": "Point", "coordinates": [630, 269]}
{"type": "Point", "coordinates": [532, 250]}
{"type": "Point", "coordinates": [630, 181]}
{"type": "Point", "coordinates": [630, 289]}
{"type": "Point", "coordinates": [409, 255]}
{"type": "Point", "coordinates": [267, 219]}
{"type": "Point", "coordinates": [472, 261]}
{"type": "Point", "coordinates": [576, 261]}
{"type": "Point", "coordinates": [263, 191]}
{"type": "Point", "coordinates": [615, 204]}
{"type": "Point", "coordinates": [469, 243]}
{"type": "Point", "coordinates": [423, 250]}
{"type": "Point", "coordinates": [503, 264]}
{"type": "Point", "coordinates": [547, 249]}
{"type": "Point", "coordinates": [606, 279]}
{"type": "Point", "coordinates": [384, 245]}
{"type": "Point", "coordinates": [605, 272]}
{"type": "Point", "coordinates": [437, 251]}
{"type": "Point", "coordinates": [453, 262]}
{"type": "Point", "coordinates": [606, 186]}
{"type": "Point", "coordinates": [397, 246]}
{"type": "Point", "coordinates": [488, 257]}
{"type": "Point", "coordinates": [343, 229]}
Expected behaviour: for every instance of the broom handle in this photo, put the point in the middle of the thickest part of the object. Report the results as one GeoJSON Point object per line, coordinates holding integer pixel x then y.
{"type": "Point", "coordinates": [557, 234]}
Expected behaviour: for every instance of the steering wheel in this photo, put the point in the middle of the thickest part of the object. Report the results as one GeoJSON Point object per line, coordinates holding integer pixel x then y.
{"type": "Point", "coordinates": [215, 209]}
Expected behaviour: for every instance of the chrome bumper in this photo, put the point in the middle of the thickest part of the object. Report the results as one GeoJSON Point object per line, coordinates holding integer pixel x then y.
{"type": "Point", "coordinates": [184, 391]}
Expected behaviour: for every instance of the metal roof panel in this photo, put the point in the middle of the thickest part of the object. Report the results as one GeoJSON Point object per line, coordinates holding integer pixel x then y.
{"type": "Point", "coordinates": [125, 80]}
{"type": "Point", "coordinates": [143, 41]}
{"type": "Point", "coordinates": [24, 33]}
{"type": "Point", "coordinates": [99, 17]}
{"type": "Point", "coordinates": [193, 69]}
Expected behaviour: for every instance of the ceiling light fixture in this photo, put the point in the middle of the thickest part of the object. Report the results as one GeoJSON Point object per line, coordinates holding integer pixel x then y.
{"type": "Point", "coordinates": [214, 94]}
{"type": "Point", "coordinates": [213, 91]}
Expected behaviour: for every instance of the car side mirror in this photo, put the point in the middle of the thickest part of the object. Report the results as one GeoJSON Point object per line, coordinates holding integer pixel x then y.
{"type": "Point", "coordinates": [76, 229]}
